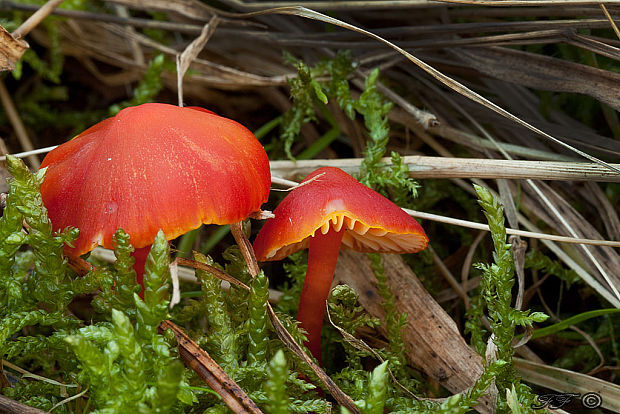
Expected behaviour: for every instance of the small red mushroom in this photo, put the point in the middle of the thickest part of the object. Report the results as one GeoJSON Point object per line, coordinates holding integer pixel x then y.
{"type": "Point", "coordinates": [331, 209]}
{"type": "Point", "coordinates": [150, 167]}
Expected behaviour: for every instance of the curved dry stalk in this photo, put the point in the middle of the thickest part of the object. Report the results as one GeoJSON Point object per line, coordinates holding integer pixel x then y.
{"type": "Point", "coordinates": [332, 5]}
{"type": "Point", "coordinates": [248, 255]}
{"type": "Point", "coordinates": [446, 80]}
{"type": "Point", "coordinates": [192, 50]}
{"type": "Point", "coordinates": [518, 167]}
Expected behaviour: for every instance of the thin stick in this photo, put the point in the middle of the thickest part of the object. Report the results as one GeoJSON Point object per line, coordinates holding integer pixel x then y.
{"type": "Point", "coordinates": [611, 20]}
{"type": "Point", "coordinates": [246, 248]}
{"type": "Point", "coordinates": [18, 125]}
{"type": "Point", "coordinates": [523, 233]}
{"type": "Point", "coordinates": [201, 362]}
{"type": "Point", "coordinates": [36, 18]}
{"type": "Point", "coordinates": [29, 153]}
{"type": "Point", "coordinates": [447, 274]}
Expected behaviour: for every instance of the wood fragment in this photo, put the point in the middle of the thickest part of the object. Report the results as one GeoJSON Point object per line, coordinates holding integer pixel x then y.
{"type": "Point", "coordinates": [544, 72]}
{"type": "Point", "coordinates": [199, 360]}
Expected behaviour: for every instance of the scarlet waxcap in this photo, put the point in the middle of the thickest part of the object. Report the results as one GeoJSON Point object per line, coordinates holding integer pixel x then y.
{"type": "Point", "coordinates": [333, 199]}
{"type": "Point", "coordinates": [150, 167]}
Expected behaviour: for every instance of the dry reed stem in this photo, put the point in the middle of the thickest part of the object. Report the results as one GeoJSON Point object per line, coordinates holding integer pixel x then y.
{"type": "Point", "coordinates": [445, 167]}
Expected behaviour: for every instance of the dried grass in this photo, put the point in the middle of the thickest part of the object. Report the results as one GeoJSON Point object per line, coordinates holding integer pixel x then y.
{"type": "Point", "coordinates": [241, 72]}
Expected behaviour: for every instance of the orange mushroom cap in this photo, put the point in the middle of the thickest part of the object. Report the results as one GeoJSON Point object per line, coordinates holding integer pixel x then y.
{"type": "Point", "coordinates": [150, 167]}
{"type": "Point", "coordinates": [333, 199]}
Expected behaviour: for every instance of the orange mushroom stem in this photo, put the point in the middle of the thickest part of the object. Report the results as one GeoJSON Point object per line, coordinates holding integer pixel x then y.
{"type": "Point", "coordinates": [333, 210]}
{"type": "Point", "coordinates": [140, 255]}
{"type": "Point", "coordinates": [322, 257]}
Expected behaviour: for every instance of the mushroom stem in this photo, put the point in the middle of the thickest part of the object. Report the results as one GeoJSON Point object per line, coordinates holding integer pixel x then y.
{"type": "Point", "coordinates": [140, 255]}
{"type": "Point", "coordinates": [322, 257]}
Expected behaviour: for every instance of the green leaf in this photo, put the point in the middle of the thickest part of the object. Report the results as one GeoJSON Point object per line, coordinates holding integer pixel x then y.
{"type": "Point", "coordinates": [222, 339]}
{"type": "Point", "coordinates": [154, 309]}
{"type": "Point", "coordinates": [566, 323]}
{"type": "Point", "coordinates": [258, 320]}
{"type": "Point", "coordinates": [125, 276]}
{"type": "Point", "coordinates": [377, 390]}
{"type": "Point", "coordinates": [274, 387]}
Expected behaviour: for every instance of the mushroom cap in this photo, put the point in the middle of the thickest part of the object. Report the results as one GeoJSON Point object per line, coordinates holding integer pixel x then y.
{"type": "Point", "coordinates": [334, 199]}
{"type": "Point", "coordinates": [150, 167]}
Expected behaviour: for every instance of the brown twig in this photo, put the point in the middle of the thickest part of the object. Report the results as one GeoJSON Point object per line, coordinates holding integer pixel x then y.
{"type": "Point", "coordinates": [449, 277]}
{"type": "Point", "coordinates": [246, 248]}
{"type": "Point", "coordinates": [36, 18]}
{"type": "Point", "coordinates": [248, 255]}
{"type": "Point", "coordinates": [213, 271]}
{"type": "Point", "coordinates": [199, 360]}
{"type": "Point", "coordinates": [10, 406]}
{"type": "Point", "coordinates": [18, 125]}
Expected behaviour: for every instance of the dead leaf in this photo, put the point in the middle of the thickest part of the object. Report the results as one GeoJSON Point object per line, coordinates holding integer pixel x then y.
{"type": "Point", "coordinates": [11, 50]}
{"type": "Point", "coordinates": [545, 73]}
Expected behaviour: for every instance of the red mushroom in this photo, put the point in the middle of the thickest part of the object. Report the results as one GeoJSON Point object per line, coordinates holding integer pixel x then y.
{"type": "Point", "coordinates": [150, 167]}
{"type": "Point", "coordinates": [330, 210]}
